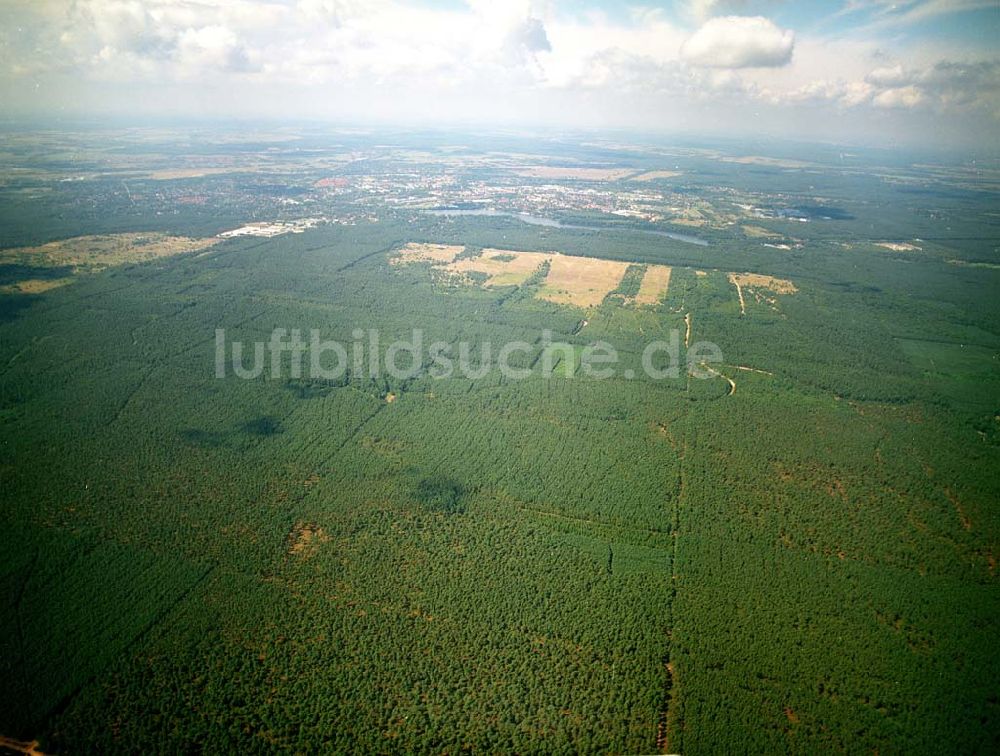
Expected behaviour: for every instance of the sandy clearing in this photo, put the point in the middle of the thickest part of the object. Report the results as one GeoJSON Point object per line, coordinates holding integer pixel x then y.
{"type": "Point", "coordinates": [654, 286]}
{"type": "Point", "coordinates": [104, 250]}
{"type": "Point", "coordinates": [566, 172]}
{"type": "Point", "coordinates": [170, 174]}
{"type": "Point", "coordinates": [687, 332]}
{"type": "Point", "coordinates": [581, 281]}
{"type": "Point", "coordinates": [899, 246]}
{"type": "Point", "coordinates": [758, 281]}
{"type": "Point", "coordinates": [504, 267]}
{"type": "Point", "coordinates": [756, 232]}
{"type": "Point", "coordinates": [34, 285]}
{"type": "Point", "coordinates": [441, 253]}
{"type": "Point", "coordinates": [754, 281]}
{"type": "Point", "coordinates": [767, 161]}
{"type": "Point", "coordinates": [654, 175]}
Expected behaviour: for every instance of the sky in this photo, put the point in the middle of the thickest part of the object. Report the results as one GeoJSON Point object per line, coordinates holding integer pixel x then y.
{"type": "Point", "coordinates": [910, 72]}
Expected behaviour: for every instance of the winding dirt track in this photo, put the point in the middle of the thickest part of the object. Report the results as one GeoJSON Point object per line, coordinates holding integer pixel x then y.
{"type": "Point", "coordinates": [739, 290]}
{"type": "Point", "coordinates": [730, 381]}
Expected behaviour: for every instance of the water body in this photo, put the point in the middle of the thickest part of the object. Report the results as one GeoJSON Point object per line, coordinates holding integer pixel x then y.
{"type": "Point", "coordinates": [536, 220]}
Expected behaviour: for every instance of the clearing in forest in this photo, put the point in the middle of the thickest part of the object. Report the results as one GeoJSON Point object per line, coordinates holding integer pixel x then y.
{"type": "Point", "coordinates": [440, 253]}
{"type": "Point", "coordinates": [305, 539]}
{"type": "Point", "coordinates": [93, 253]}
{"type": "Point", "coordinates": [899, 246]}
{"type": "Point", "coordinates": [34, 285]}
{"type": "Point", "coordinates": [654, 175]}
{"type": "Point", "coordinates": [757, 281]}
{"type": "Point", "coordinates": [571, 280]}
{"type": "Point", "coordinates": [581, 281]}
{"type": "Point", "coordinates": [572, 172]}
{"type": "Point", "coordinates": [504, 267]}
{"type": "Point", "coordinates": [654, 285]}
{"type": "Point", "coordinates": [767, 161]}
{"type": "Point", "coordinates": [756, 232]}
{"type": "Point", "coordinates": [754, 283]}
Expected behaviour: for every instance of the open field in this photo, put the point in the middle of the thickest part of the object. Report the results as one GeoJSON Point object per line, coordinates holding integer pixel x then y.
{"type": "Point", "coordinates": [503, 267]}
{"type": "Point", "coordinates": [572, 280]}
{"type": "Point", "coordinates": [581, 281]}
{"type": "Point", "coordinates": [655, 284]}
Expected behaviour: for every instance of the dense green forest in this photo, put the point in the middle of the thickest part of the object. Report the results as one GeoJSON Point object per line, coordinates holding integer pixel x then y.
{"type": "Point", "coordinates": [807, 563]}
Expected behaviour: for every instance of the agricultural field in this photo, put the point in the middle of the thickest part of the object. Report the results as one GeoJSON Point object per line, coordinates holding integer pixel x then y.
{"type": "Point", "coordinates": [790, 549]}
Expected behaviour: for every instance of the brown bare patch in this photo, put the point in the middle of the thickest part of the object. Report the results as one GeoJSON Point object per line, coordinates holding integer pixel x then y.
{"type": "Point", "coordinates": [791, 716]}
{"type": "Point", "coordinates": [390, 398]}
{"type": "Point", "coordinates": [305, 539]}
{"type": "Point", "coordinates": [835, 488]}
{"type": "Point", "coordinates": [581, 281]}
{"type": "Point", "coordinates": [655, 284]}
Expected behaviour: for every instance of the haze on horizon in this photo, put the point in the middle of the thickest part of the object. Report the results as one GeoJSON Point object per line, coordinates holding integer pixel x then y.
{"type": "Point", "coordinates": [913, 72]}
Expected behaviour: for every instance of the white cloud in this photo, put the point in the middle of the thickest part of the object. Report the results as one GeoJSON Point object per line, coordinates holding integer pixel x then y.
{"type": "Point", "coordinates": [213, 47]}
{"type": "Point", "coordinates": [739, 42]}
{"type": "Point", "coordinates": [888, 76]}
{"type": "Point", "coordinates": [901, 97]}
{"type": "Point", "coordinates": [489, 61]}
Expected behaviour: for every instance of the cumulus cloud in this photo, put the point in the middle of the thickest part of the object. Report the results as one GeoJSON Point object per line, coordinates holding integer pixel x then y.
{"type": "Point", "coordinates": [483, 58]}
{"type": "Point", "coordinates": [739, 42]}
{"type": "Point", "coordinates": [214, 47]}
{"type": "Point", "coordinates": [900, 97]}
{"type": "Point", "coordinates": [944, 85]}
